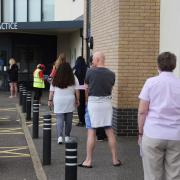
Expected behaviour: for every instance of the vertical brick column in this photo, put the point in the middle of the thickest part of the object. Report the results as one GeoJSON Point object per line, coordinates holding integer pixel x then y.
{"type": "Point", "coordinates": [138, 49]}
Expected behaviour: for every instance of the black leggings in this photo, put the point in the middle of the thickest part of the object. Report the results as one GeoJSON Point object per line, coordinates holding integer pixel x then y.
{"type": "Point", "coordinates": [81, 108]}
{"type": "Point", "coordinates": [37, 93]}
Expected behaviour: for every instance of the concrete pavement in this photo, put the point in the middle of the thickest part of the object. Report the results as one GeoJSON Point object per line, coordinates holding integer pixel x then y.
{"type": "Point", "coordinates": [128, 151]}
{"type": "Point", "coordinates": [22, 168]}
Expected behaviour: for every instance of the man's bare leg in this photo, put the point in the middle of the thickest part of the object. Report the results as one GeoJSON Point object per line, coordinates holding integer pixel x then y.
{"type": "Point", "coordinates": [112, 144]}
{"type": "Point", "coordinates": [91, 139]}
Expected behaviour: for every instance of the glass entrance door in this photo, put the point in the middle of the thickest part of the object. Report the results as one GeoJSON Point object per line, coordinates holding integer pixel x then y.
{"type": "Point", "coordinates": [3, 69]}
{"type": "Point", "coordinates": [27, 58]}
{"type": "Point", "coordinates": [3, 60]}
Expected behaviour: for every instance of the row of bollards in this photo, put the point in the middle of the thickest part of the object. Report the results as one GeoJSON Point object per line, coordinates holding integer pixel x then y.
{"type": "Point", "coordinates": [25, 97]}
{"type": "Point", "coordinates": [70, 154]}
{"type": "Point", "coordinates": [25, 101]}
{"type": "Point", "coordinates": [71, 146]}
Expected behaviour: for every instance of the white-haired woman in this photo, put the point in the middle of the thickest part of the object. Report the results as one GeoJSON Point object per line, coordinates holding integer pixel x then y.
{"type": "Point", "coordinates": [13, 77]}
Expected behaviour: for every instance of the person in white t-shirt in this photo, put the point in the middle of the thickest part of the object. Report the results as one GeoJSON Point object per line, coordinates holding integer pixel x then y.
{"type": "Point", "coordinates": [64, 95]}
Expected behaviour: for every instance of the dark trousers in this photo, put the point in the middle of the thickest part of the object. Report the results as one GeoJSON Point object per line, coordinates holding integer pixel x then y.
{"type": "Point", "coordinates": [100, 133]}
{"type": "Point", "coordinates": [81, 108]}
{"type": "Point", "coordinates": [37, 93]}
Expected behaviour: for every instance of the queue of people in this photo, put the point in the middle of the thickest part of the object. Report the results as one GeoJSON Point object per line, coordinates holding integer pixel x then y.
{"type": "Point", "coordinates": [90, 91]}
{"type": "Point", "coordinates": [158, 117]}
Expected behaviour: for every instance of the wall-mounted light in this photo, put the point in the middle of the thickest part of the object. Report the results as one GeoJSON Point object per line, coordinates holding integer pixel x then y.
{"type": "Point", "coordinates": [90, 42]}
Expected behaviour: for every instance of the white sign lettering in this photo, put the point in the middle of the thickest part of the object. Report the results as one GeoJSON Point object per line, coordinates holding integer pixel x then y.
{"type": "Point", "coordinates": [6, 26]}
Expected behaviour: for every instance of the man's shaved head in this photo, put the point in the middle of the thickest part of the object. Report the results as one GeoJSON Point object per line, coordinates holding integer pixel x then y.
{"type": "Point", "coordinates": [98, 58]}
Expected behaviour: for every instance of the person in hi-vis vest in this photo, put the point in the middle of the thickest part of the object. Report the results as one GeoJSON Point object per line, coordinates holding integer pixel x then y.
{"type": "Point", "coordinates": [38, 81]}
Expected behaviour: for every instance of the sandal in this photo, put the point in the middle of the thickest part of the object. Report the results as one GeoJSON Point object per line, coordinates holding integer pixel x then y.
{"type": "Point", "coordinates": [84, 166]}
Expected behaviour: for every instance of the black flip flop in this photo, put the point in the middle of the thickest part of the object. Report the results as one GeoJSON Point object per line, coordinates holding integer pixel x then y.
{"type": "Point", "coordinates": [84, 166]}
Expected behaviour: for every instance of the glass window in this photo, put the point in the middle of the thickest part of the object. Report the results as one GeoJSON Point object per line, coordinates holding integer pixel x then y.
{"type": "Point", "coordinates": [34, 10]}
{"type": "Point", "coordinates": [21, 10]}
{"type": "Point", "coordinates": [8, 10]}
{"type": "Point", "coordinates": [48, 10]}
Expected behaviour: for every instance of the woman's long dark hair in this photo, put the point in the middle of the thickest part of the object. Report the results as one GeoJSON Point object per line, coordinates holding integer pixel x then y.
{"type": "Point", "coordinates": [64, 76]}
{"type": "Point", "coordinates": [80, 69]}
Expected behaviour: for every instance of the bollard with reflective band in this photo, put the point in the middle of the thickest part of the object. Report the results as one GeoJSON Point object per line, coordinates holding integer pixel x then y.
{"type": "Point", "coordinates": [71, 161]}
{"type": "Point", "coordinates": [20, 94]}
{"type": "Point", "coordinates": [35, 119]}
{"type": "Point", "coordinates": [28, 106]}
{"type": "Point", "coordinates": [24, 93]}
{"type": "Point", "coordinates": [47, 140]}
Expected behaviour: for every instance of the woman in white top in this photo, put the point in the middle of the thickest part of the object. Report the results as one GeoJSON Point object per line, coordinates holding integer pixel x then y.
{"type": "Point", "coordinates": [159, 122]}
{"type": "Point", "coordinates": [64, 95]}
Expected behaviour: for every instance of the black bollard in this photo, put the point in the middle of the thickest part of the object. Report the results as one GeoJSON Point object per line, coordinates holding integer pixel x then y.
{"type": "Point", "coordinates": [47, 140]}
{"type": "Point", "coordinates": [20, 94]}
{"type": "Point", "coordinates": [71, 161]}
{"type": "Point", "coordinates": [28, 106]}
{"type": "Point", "coordinates": [35, 119]}
{"type": "Point", "coordinates": [24, 93]}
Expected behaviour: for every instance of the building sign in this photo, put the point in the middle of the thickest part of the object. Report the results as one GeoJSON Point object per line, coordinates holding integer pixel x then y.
{"type": "Point", "coordinates": [8, 26]}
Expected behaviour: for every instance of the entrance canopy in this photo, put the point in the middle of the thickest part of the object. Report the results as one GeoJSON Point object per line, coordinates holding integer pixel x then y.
{"type": "Point", "coordinates": [51, 26]}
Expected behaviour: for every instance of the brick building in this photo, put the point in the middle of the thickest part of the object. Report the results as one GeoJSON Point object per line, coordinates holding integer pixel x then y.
{"type": "Point", "coordinates": [127, 31]}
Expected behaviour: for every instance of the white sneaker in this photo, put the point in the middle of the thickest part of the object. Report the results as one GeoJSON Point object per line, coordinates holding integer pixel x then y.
{"type": "Point", "coordinates": [67, 139]}
{"type": "Point", "coordinates": [60, 140]}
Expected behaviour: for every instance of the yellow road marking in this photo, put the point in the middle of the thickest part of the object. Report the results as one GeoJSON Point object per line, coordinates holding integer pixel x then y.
{"type": "Point", "coordinates": [12, 128]}
{"type": "Point", "coordinates": [4, 118]}
{"type": "Point", "coordinates": [14, 156]}
{"type": "Point", "coordinates": [7, 109]}
{"type": "Point", "coordinates": [40, 125]}
{"type": "Point", "coordinates": [53, 123]}
{"type": "Point", "coordinates": [12, 147]}
{"type": "Point", "coordinates": [12, 152]}
{"type": "Point", "coordinates": [11, 131]}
